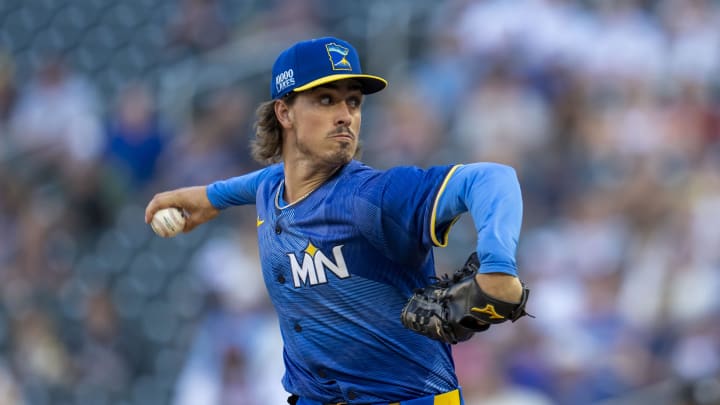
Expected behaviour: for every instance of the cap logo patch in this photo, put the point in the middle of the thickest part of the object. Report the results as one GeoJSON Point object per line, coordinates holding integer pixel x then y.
{"type": "Point", "coordinates": [338, 54]}
{"type": "Point", "coordinates": [284, 80]}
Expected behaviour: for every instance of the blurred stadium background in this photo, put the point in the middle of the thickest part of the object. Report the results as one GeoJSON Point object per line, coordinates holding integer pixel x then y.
{"type": "Point", "coordinates": [608, 109]}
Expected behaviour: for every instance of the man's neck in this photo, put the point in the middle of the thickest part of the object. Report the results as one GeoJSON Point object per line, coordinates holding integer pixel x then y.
{"type": "Point", "coordinates": [302, 179]}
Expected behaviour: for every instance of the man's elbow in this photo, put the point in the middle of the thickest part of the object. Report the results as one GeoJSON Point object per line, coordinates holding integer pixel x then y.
{"type": "Point", "coordinates": [502, 172]}
{"type": "Point", "coordinates": [500, 177]}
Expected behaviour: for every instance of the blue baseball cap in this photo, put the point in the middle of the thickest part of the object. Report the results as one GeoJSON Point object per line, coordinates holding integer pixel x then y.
{"type": "Point", "coordinates": [310, 63]}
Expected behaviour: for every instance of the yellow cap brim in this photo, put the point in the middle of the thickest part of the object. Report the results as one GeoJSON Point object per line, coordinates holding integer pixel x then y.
{"type": "Point", "coordinates": [370, 84]}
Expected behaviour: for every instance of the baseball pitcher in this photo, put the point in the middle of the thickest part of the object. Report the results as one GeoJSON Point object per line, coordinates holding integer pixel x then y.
{"type": "Point", "coordinates": [347, 250]}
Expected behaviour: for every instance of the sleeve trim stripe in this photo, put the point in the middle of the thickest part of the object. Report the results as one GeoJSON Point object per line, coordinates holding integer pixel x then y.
{"type": "Point", "coordinates": [433, 217]}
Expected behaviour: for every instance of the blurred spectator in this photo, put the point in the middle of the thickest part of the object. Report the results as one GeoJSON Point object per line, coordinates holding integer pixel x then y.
{"type": "Point", "coordinates": [58, 117]}
{"type": "Point", "coordinates": [40, 355]}
{"type": "Point", "coordinates": [501, 119]}
{"type": "Point", "coordinates": [693, 29]}
{"type": "Point", "coordinates": [102, 358]}
{"type": "Point", "coordinates": [198, 26]}
{"type": "Point", "coordinates": [293, 19]}
{"type": "Point", "coordinates": [627, 43]}
{"type": "Point", "coordinates": [8, 94]}
{"type": "Point", "coordinates": [215, 142]}
{"type": "Point", "coordinates": [477, 363]}
{"type": "Point", "coordinates": [408, 129]}
{"type": "Point", "coordinates": [10, 200]}
{"type": "Point", "coordinates": [10, 390]}
{"type": "Point", "coordinates": [235, 357]}
{"type": "Point", "coordinates": [543, 31]}
{"type": "Point", "coordinates": [135, 137]}
{"type": "Point", "coordinates": [443, 75]}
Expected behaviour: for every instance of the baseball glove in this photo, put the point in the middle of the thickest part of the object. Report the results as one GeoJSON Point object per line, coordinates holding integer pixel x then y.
{"type": "Point", "coordinates": [453, 308]}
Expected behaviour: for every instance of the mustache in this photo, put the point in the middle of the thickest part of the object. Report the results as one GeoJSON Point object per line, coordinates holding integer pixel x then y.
{"type": "Point", "coordinates": [342, 130]}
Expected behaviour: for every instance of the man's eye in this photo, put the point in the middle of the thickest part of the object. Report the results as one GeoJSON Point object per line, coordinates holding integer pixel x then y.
{"type": "Point", "coordinates": [354, 102]}
{"type": "Point", "coordinates": [325, 100]}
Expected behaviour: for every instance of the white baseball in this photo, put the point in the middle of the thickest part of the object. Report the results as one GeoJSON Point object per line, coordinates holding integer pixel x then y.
{"type": "Point", "coordinates": [168, 222]}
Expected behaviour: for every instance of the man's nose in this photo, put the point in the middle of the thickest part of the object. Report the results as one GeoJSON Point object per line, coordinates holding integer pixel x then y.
{"type": "Point", "coordinates": [344, 115]}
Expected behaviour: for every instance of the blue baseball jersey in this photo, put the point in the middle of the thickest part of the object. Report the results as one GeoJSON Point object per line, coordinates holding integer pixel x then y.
{"type": "Point", "coordinates": [340, 264]}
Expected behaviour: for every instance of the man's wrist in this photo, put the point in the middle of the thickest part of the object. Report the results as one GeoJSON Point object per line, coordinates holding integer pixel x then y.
{"type": "Point", "coordinates": [501, 286]}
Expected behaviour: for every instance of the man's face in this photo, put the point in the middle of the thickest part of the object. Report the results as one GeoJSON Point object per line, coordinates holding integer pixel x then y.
{"type": "Point", "coordinates": [325, 122]}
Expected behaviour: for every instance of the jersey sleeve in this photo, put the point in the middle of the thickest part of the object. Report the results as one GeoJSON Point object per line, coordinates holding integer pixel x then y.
{"type": "Point", "coordinates": [491, 193]}
{"type": "Point", "coordinates": [395, 208]}
{"type": "Point", "coordinates": [240, 190]}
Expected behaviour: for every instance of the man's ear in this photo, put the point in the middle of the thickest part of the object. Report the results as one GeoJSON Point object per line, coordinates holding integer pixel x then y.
{"type": "Point", "coordinates": [283, 114]}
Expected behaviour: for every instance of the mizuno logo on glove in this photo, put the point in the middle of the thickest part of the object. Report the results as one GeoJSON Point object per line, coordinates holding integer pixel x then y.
{"type": "Point", "coordinates": [488, 309]}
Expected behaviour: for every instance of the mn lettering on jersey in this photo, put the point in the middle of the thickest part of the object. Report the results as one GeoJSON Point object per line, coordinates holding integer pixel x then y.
{"type": "Point", "coordinates": [315, 264]}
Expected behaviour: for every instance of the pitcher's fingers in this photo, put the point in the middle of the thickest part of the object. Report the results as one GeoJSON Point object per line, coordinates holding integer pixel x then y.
{"type": "Point", "coordinates": [158, 202]}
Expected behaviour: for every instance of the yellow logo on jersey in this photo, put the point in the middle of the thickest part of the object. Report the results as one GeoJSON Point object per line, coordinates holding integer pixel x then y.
{"type": "Point", "coordinates": [259, 221]}
{"type": "Point", "coordinates": [489, 309]}
{"type": "Point", "coordinates": [315, 263]}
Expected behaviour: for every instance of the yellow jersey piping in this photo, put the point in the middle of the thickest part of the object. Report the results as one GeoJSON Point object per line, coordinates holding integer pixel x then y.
{"type": "Point", "coordinates": [433, 216]}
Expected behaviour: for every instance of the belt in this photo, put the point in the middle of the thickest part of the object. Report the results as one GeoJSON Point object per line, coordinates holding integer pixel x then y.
{"type": "Point", "coordinates": [448, 398]}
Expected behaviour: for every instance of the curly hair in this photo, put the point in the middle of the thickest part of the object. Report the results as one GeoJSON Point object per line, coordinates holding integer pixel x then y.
{"type": "Point", "coordinates": [267, 146]}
